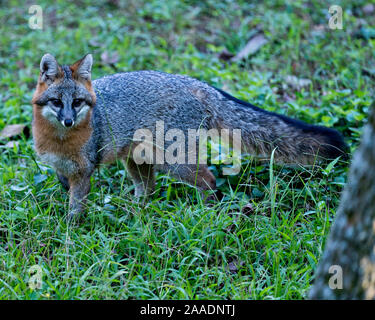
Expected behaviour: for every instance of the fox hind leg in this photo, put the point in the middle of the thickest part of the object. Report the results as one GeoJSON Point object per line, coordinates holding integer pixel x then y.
{"type": "Point", "coordinates": [196, 175]}
{"type": "Point", "coordinates": [143, 177]}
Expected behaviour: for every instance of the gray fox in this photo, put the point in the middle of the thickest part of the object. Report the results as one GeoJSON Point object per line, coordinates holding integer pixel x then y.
{"type": "Point", "coordinates": [79, 124]}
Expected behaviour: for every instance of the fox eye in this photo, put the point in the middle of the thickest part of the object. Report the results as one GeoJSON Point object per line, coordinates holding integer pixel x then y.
{"type": "Point", "coordinates": [77, 103]}
{"type": "Point", "coordinates": [57, 103]}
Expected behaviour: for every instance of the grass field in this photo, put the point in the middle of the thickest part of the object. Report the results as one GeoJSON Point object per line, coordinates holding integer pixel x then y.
{"type": "Point", "coordinates": [176, 246]}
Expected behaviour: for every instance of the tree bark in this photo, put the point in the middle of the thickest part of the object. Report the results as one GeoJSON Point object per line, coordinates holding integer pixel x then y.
{"type": "Point", "coordinates": [347, 267]}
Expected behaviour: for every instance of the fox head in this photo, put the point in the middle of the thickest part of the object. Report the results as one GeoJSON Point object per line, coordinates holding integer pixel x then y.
{"type": "Point", "coordinates": [64, 95]}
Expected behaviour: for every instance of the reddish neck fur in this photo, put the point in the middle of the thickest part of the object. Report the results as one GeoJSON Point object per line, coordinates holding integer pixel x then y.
{"type": "Point", "coordinates": [47, 139]}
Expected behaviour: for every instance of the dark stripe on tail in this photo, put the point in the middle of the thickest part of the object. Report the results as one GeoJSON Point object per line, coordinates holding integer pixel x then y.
{"type": "Point", "coordinates": [334, 146]}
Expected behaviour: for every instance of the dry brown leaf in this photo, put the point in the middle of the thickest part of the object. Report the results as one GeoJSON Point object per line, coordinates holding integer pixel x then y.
{"type": "Point", "coordinates": [13, 130]}
{"type": "Point", "coordinates": [20, 64]}
{"type": "Point", "coordinates": [297, 83]}
{"type": "Point", "coordinates": [251, 47]}
{"type": "Point", "coordinates": [368, 9]}
{"type": "Point", "coordinates": [11, 144]}
{"type": "Point", "coordinates": [319, 28]}
{"type": "Point", "coordinates": [235, 265]}
{"type": "Point", "coordinates": [109, 57]}
{"type": "Point", "coordinates": [95, 43]}
{"type": "Point", "coordinates": [232, 267]}
{"type": "Point", "coordinates": [248, 209]}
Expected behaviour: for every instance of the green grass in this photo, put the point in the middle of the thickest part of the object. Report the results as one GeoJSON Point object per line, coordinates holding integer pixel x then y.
{"type": "Point", "coordinates": [175, 246]}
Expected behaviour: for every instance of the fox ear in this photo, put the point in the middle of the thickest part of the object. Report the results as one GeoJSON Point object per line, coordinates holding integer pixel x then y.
{"type": "Point", "coordinates": [82, 68]}
{"type": "Point", "coordinates": [49, 68]}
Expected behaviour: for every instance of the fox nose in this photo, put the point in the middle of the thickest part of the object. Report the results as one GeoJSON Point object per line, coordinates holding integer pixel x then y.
{"type": "Point", "coordinates": [68, 122]}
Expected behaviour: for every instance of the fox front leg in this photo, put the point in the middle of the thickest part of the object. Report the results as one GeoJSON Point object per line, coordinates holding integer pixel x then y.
{"type": "Point", "coordinates": [79, 189]}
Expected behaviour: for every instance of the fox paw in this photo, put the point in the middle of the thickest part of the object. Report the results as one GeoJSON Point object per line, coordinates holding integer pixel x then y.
{"type": "Point", "coordinates": [73, 217]}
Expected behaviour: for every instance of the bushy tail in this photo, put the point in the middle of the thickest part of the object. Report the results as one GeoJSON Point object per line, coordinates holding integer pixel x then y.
{"type": "Point", "coordinates": [294, 141]}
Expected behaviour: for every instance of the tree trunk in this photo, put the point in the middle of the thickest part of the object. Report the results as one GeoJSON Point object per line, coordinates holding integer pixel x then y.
{"type": "Point", "coordinates": [347, 267]}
